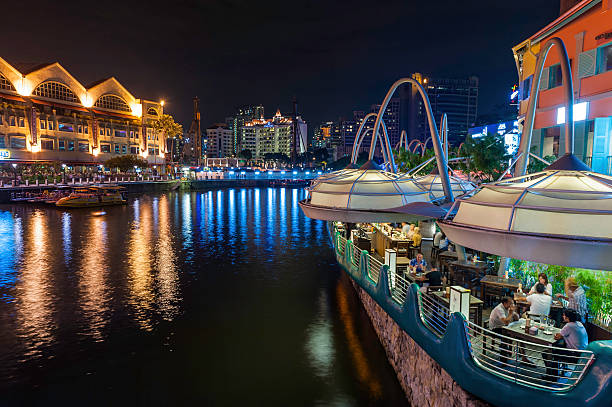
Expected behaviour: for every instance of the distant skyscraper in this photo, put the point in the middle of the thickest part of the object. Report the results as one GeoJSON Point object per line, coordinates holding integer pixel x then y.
{"type": "Point", "coordinates": [243, 115]}
{"type": "Point", "coordinates": [458, 98]}
{"type": "Point", "coordinates": [391, 118]}
{"type": "Point", "coordinates": [269, 136]}
{"type": "Point", "coordinates": [220, 141]}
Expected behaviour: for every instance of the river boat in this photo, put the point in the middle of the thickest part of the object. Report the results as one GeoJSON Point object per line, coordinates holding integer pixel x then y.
{"type": "Point", "coordinates": [91, 197]}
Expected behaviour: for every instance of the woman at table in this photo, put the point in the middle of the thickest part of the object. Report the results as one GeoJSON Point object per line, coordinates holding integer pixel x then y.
{"type": "Point", "coordinates": [542, 279]}
{"type": "Point", "coordinates": [575, 297]}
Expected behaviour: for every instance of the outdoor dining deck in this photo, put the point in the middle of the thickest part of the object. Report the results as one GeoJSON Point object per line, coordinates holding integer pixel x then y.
{"type": "Point", "coordinates": [524, 359]}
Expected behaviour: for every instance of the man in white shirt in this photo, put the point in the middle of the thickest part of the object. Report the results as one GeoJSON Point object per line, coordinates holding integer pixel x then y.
{"type": "Point", "coordinates": [539, 303]}
{"type": "Point", "coordinates": [502, 315]}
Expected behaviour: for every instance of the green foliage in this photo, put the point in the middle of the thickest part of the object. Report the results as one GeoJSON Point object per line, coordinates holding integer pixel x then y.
{"type": "Point", "coordinates": [596, 283]}
{"type": "Point", "coordinates": [166, 126]}
{"type": "Point", "coordinates": [487, 157]}
{"type": "Point", "coordinates": [125, 162]}
{"type": "Point", "coordinates": [406, 160]}
{"type": "Point", "coordinates": [280, 157]}
{"type": "Point", "coordinates": [537, 165]}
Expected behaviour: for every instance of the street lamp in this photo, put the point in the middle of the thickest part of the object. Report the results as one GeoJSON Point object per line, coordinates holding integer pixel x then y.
{"type": "Point", "coordinates": [15, 170]}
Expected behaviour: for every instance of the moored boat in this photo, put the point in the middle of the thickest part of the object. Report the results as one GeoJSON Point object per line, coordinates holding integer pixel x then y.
{"type": "Point", "coordinates": [93, 197]}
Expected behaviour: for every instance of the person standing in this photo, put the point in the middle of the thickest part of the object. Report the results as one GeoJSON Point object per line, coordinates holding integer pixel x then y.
{"type": "Point", "coordinates": [575, 297]}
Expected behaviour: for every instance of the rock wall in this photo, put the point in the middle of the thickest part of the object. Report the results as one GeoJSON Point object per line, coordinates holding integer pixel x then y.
{"type": "Point", "coordinates": [423, 380]}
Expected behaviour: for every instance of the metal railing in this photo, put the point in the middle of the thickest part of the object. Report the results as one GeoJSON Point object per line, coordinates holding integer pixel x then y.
{"type": "Point", "coordinates": [434, 315]}
{"type": "Point", "coordinates": [527, 363]}
{"type": "Point", "coordinates": [374, 266]}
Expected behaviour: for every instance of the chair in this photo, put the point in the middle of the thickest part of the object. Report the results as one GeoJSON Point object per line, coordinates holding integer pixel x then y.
{"type": "Point", "coordinates": [403, 249]}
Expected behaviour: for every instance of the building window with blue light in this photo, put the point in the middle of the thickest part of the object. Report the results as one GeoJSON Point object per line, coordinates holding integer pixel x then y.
{"type": "Point", "coordinates": [18, 143]}
{"type": "Point", "coordinates": [71, 146]}
{"type": "Point", "coordinates": [84, 147]}
{"type": "Point", "coordinates": [61, 145]}
{"type": "Point", "coordinates": [2, 141]}
{"type": "Point", "coordinates": [526, 88]}
{"type": "Point", "coordinates": [105, 148]}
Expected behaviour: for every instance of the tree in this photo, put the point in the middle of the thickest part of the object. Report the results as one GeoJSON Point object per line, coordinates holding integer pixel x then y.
{"type": "Point", "coordinates": [536, 165]}
{"type": "Point", "coordinates": [407, 160]}
{"type": "Point", "coordinates": [246, 154]}
{"type": "Point", "coordinates": [168, 128]}
{"type": "Point", "coordinates": [125, 162]}
{"type": "Point", "coordinates": [485, 156]}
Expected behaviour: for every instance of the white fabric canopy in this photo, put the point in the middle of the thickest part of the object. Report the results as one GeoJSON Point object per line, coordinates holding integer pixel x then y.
{"type": "Point", "coordinates": [553, 202]}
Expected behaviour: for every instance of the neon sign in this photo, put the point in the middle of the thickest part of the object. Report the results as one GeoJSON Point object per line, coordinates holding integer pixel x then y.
{"type": "Point", "coordinates": [4, 154]}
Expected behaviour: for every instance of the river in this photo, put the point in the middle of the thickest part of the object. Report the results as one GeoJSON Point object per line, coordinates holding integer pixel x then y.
{"type": "Point", "coordinates": [222, 297]}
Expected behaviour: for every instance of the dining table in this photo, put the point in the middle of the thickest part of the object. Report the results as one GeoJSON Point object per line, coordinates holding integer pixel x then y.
{"type": "Point", "coordinates": [497, 282]}
{"type": "Point", "coordinates": [517, 330]}
{"type": "Point", "coordinates": [475, 304]}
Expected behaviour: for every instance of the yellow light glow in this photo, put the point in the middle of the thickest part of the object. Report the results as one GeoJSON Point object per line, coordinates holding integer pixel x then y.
{"type": "Point", "coordinates": [136, 109]}
{"type": "Point", "coordinates": [86, 100]}
{"type": "Point", "coordinates": [35, 148]}
{"type": "Point", "coordinates": [95, 151]}
{"type": "Point", "coordinates": [24, 88]}
{"type": "Point", "coordinates": [425, 80]}
{"type": "Point", "coordinates": [144, 154]}
{"type": "Point", "coordinates": [162, 103]}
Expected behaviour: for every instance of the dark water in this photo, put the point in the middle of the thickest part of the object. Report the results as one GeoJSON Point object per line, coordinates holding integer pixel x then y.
{"type": "Point", "coordinates": [216, 298]}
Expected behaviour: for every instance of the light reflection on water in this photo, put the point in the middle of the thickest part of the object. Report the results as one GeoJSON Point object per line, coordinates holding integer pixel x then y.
{"type": "Point", "coordinates": [238, 285]}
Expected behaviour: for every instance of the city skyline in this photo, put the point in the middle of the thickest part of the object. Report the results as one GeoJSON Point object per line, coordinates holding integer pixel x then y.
{"type": "Point", "coordinates": [189, 50]}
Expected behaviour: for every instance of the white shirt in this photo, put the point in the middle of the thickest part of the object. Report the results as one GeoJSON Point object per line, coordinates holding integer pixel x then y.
{"type": "Point", "coordinates": [437, 237]}
{"type": "Point", "coordinates": [540, 304]}
{"type": "Point", "coordinates": [547, 289]}
{"type": "Point", "coordinates": [498, 313]}
{"type": "Point", "coordinates": [406, 229]}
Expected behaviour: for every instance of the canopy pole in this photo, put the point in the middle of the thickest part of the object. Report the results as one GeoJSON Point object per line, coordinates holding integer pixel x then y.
{"type": "Point", "coordinates": [435, 136]}
{"type": "Point", "coordinates": [360, 136]}
{"type": "Point", "coordinates": [568, 87]}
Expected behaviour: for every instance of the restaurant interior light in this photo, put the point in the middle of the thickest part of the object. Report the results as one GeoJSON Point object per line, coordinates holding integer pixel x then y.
{"type": "Point", "coordinates": [580, 112]}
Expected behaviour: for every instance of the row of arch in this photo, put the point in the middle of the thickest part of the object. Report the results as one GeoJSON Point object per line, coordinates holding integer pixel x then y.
{"type": "Point", "coordinates": [54, 82]}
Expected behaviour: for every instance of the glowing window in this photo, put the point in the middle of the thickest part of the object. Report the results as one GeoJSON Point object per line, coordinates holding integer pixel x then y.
{"type": "Point", "coordinates": [152, 112]}
{"type": "Point", "coordinates": [113, 102]}
{"type": "Point", "coordinates": [5, 84]}
{"type": "Point", "coordinates": [57, 91]}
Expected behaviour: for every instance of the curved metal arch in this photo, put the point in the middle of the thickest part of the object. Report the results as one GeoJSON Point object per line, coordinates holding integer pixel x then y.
{"type": "Point", "coordinates": [403, 141]}
{"type": "Point", "coordinates": [568, 87]}
{"type": "Point", "coordinates": [427, 141]}
{"type": "Point", "coordinates": [411, 143]}
{"type": "Point", "coordinates": [444, 134]}
{"type": "Point", "coordinates": [363, 136]}
{"type": "Point", "coordinates": [435, 136]}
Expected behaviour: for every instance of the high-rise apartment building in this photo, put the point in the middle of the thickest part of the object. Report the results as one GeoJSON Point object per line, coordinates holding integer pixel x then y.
{"type": "Point", "coordinates": [220, 141]}
{"type": "Point", "coordinates": [271, 136]}
{"type": "Point", "coordinates": [243, 115]}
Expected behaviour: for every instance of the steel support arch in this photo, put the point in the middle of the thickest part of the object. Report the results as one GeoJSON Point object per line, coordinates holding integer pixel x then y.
{"type": "Point", "coordinates": [568, 88]}
{"type": "Point", "coordinates": [435, 136]}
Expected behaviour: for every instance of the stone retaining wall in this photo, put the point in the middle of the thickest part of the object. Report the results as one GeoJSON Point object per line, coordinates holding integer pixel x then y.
{"type": "Point", "coordinates": [423, 380]}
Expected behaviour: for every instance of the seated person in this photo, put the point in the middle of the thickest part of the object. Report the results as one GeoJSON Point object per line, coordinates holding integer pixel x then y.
{"type": "Point", "coordinates": [573, 335]}
{"type": "Point", "coordinates": [539, 303]}
{"type": "Point", "coordinates": [543, 279]}
{"type": "Point", "coordinates": [444, 243]}
{"type": "Point", "coordinates": [418, 264]}
{"type": "Point", "coordinates": [416, 237]}
{"type": "Point", "coordinates": [405, 228]}
{"type": "Point", "coordinates": [433, 278]}
{"type": "Point", "coordinates": [409, 232]}
{"type": "Point", "coordinates": [437, 238]}
{"type": "Point", "coordinates": [502, 315]}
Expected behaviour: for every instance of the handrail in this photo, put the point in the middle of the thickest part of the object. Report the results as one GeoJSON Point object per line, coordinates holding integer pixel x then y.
{"type": "Point", "coordinates": [471, 354]}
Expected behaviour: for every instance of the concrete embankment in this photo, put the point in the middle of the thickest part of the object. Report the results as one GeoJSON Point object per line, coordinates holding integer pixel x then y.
{"type": "Point", "coordinates": [421, 377]}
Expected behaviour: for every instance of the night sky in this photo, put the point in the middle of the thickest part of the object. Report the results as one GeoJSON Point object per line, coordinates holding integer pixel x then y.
{"type": "Point", "coordinates": [335, 57]}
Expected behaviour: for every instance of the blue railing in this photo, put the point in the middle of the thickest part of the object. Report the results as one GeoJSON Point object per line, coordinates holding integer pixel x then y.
{"type": "Point", "coordinates": [457, 345]}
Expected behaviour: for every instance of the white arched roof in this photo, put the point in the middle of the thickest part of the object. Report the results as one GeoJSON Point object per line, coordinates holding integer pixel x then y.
{"type": "Point", "coordinates": [53, 73]}
{"type": "Point", "coordinates": [10, 73]}
{"type": "Point", "coordinates": [110, 86]}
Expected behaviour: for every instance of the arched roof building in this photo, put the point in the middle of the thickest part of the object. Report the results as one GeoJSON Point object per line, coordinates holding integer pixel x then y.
{"type": "Point", "coordinates": [46, 114]}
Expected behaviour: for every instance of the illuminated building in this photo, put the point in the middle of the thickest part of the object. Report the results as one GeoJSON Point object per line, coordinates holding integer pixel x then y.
{"type": "Point", "coordinates": [220, 141]}
{"type": "Point", "coordinates": [48, 115]}
{"type": "Point", "coordinates": [586, 31]}
{"type": "Point", "coordinates": [243, 115]}
{"type": "Point", "coordinates": [271, 136]}
{"type": "Point", "coordinates": [323, 135]}
{"type": "Point", "coordinates": [458, 98]}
